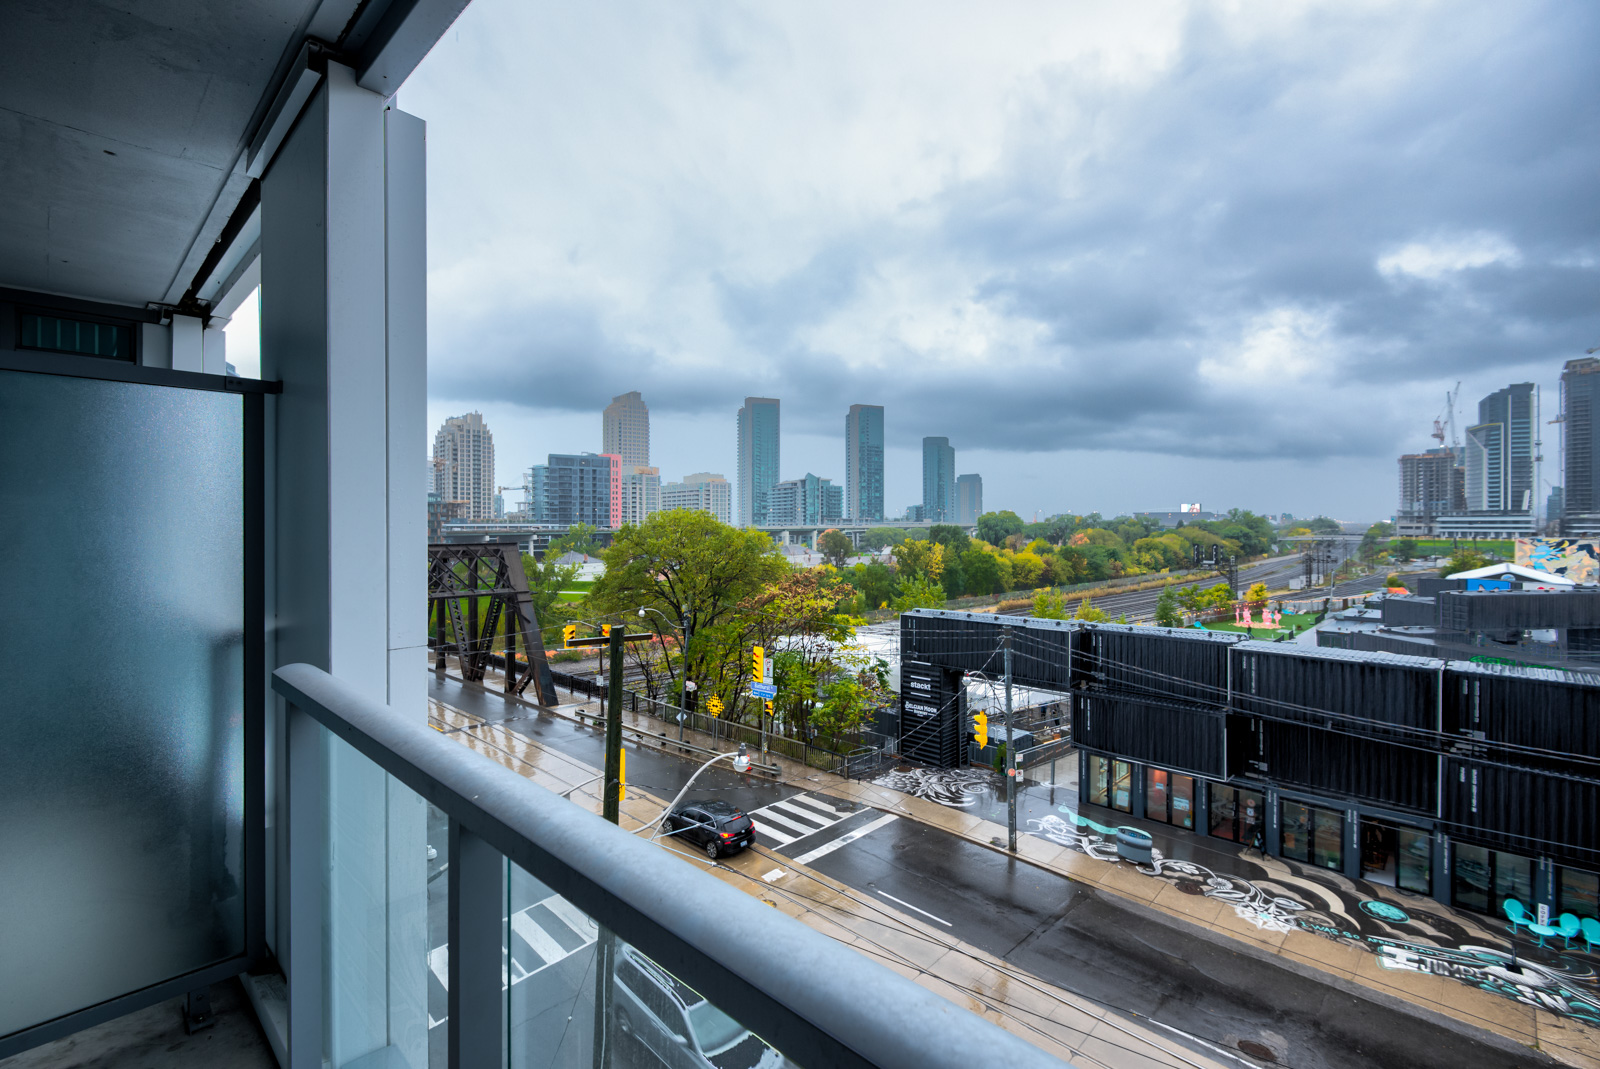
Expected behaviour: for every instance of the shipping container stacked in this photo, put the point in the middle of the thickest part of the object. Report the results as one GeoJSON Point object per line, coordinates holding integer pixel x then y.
{"type": "Point", "coordinates": [1182, 738]}
{"type": "Point", "coordinates": [1529, 779]}
{"type": "Point", "coordinates": [971, 641]}
{"type": "Point", "coordinates": [1518, 610]}
{"type": "Point", "coordinates": [1350, 723]}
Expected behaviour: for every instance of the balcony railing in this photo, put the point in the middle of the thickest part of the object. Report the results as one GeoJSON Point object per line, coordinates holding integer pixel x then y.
{"type": "Point", "coordinates": [657, 941]}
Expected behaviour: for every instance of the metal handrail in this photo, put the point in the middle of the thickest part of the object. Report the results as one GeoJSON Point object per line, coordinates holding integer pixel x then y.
{"type": "Point", "coordinates": [816, 1000]}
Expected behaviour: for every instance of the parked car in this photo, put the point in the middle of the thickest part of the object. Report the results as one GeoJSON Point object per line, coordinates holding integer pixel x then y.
{"type": "Point", "coordinates": [717, 827]}
{"type": "Point", "coordinates": [682, 1030]}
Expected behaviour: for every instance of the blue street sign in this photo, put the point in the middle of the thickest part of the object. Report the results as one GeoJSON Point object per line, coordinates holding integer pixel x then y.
{"type": "Point", "coordinates": [764, 690]}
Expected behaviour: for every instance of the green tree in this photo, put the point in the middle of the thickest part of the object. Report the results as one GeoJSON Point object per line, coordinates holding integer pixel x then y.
{"type": "Point", "coordinates": [1026, 570]}
{"type": "Point", "coordinates": [1405, 549]}
{"type": "Point", "coordinates": [918, 557]}
{"type": "Point", "coordinates": [1257, 594]}
{"type": "Point", "coordinates": [874, 580]}
{"type": "Point", "coordinates": [836, 547]}
{"type": "Point", "coordinates": [1088, 611]}
{"type": "Point", "coordinates": [982, 570]}
{"type": "Point", "coordinates": [995, 527]}
{"type": "Point", "coordinates": [1394, 580]}
{"type": "Point", "coordinates": [952, 538]}
{"type": "Point", "coordinates": [1323, 525]}
{"type": "Point", "coordinates": [685, 563]}
{"type": "Point", "coordinates": [919, 592]}
{"type": "Point", "coordinates": [1466, 559]}
{"type": "Point", "coordinates": [1167, 614]}
{"type": "Point", "coordinates": [877, 538]}
{"type": "Point", "coordinates": [580, 538]}
{"type": "Point", "coordinates": [1049, 606]}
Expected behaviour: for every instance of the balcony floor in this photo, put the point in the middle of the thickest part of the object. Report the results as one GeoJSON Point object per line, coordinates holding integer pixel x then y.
{"type": "Point", "coordinates": [154, 1038]}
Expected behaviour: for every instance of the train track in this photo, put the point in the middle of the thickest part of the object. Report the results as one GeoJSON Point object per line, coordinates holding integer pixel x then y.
{"type": "Point", "coordinates": [1141, 604]}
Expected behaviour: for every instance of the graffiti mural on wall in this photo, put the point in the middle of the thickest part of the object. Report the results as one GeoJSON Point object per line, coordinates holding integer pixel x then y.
{"type": "Point", "coordinates": [1575, 558]}
{"type": "Point", "coordinates": [1405, 940]}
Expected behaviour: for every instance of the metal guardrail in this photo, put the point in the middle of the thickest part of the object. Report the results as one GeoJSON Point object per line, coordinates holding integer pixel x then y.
{"type": "Point", "coordinates": [814, 999]}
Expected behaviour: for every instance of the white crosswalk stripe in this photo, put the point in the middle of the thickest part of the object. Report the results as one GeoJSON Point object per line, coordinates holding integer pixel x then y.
{"type": "Point", "coordinates": [541, 935]}
{"type": "Point", "coordinates": [792, 819]}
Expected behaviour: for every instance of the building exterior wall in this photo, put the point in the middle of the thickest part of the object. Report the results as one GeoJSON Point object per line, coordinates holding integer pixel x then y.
{"type": "Point", "coordinates": [969, 498]}
{"type": "Point", "coordinates": [757, 474]}
{"type": "Point", "coordinates": [807, 500]}
{"type": "Point", "coordinates": [1580, 446]}
{"type": "Point", "coordinates": [1431, 485]}
{"type": "Point", "coordinates": [863, 463]}
{"type": "Point", "coordinates": [463, 454]}
{"type": "Point", "coordinates": [575, 488]}
{"type": "Point", "coordinates": [625, 430]}
{"type": "Point", "coordinates": [702, 492]}
{"type": "Point", "coordinates": [641, 494]}
{"type": "Point", "coordinates": [938, 480]}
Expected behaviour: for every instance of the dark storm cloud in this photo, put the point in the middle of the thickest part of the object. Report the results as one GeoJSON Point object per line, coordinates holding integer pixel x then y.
{"type": "Point", "coordinates": [1230, 260]}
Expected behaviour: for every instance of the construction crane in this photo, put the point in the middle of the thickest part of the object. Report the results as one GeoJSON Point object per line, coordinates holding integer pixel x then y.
{"type": "Point", "coordinates": [1447, 418]}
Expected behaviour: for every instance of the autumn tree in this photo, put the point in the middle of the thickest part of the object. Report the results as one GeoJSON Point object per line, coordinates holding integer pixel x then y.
{"type": "Point", "coordinates": [917, 557]}
{"type": "Point", "coordinates": [836, 547]}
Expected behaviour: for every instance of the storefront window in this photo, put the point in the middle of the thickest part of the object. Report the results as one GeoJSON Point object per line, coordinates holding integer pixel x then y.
{"type": "Point", "coordinates": [1416, 861]}
{"type": "Point", "coordinates": [1513, 878]}
{"type": "Point", "coordinates": [1312, 834]}
{"type": "Point", "coordinates": [1122, 786]}
{"type": "Point", "coordinates": [1580, 893]}
{"type": "Point", "coordinates": [1169, 797]}
{"type": "Point", "coordinates": [1469, 878]}
{"type": "Point", "coordinates": [1099, 779]}
{"type": "Point", "coordinates": [1236, 814]}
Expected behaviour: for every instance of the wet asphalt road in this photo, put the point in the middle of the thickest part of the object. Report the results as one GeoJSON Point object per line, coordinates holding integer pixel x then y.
{"type": "Point", "coordinates": [1076, 937]}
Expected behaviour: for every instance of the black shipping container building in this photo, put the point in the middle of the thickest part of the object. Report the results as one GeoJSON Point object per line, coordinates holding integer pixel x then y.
{"type": "Point", "coordinates": [1169, 663]}
{"type": "Point", "coordinates": [933, 714]}
{"type": "Point", "coordinates": [1364, 692]}
{"type": "Point", "coordinates": [1303, 756]}
{"type": "Point", "coordinates": [1529, 811]}
{"type": "Point", "coordinates": [1184, 738]}
{"type": "Point", "coordinates": [1532, 707]}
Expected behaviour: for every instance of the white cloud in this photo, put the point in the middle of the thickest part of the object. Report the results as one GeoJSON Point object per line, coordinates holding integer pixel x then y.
{"type": "Point", "coordinates": [1283, 345]}
{"type": "Point", "coordinates": [1433, 260]}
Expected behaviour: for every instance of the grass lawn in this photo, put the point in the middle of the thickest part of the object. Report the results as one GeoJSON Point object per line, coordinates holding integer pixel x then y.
{"type": "Point", "coordinates": [1297, 621]}
{"type": "Point", "coordinates": [572, 595]}
{"type": "Point", "coordinates": [581, 584]}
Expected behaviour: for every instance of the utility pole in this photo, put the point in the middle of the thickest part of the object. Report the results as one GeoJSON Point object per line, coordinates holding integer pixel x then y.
{"type": "Point", "coordinates": [1011, 759]}
{"type": "Point", "coordinates": [611, 808]}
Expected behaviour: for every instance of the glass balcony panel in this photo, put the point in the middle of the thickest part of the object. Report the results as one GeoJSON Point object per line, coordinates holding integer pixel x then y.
{"type": "Point", "coordinates": [556, 977]}
{"type": "Point", "coordinates": [121, 643]}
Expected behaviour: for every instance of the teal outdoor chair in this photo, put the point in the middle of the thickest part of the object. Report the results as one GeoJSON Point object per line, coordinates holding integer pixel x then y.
{"type": "Point", "coordinates": [1516, 915]}
{"type": "Point", "coordinates": [1567, 924]}
{"type": "Point", "coordinates": [1591, 932]}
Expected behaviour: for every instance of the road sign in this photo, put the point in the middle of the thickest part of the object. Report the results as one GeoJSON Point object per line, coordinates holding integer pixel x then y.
{"type": "Point", "coordinates": [764, 690]}
{"type": "Point", "coordinates": [758, 661]}
{"type": "Point", "coordinates": [714, 705]}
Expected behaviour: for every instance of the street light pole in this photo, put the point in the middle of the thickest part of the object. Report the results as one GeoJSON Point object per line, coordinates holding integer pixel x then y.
{"type": "Point", "coordinates": [1011, 759]}
{"type": "Point", "coordinates": [741, 763]}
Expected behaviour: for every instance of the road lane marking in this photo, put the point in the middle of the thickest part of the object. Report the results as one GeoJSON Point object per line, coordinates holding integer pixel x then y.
{"type": "Point", "coordinates": [920, 910]}
{"type": "Point", "coordinates": [537, 938]}
{"type": "Point", "coordinates": [810, 817]}
{"type": "Point", "coordinates": [816, 803]}
{"type": "Point", "coordinates": [843, 840]}
{"type": "Point", "coordinates": [773, 875]}
{"type": "Point", "coordinates": [778, 837]}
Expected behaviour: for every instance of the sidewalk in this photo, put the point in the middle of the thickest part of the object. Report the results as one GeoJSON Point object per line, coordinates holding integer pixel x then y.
{"type": "Point", "coordinates": [1372, 940]}
{"type": "Point", "coordinates": [1061, 1024]}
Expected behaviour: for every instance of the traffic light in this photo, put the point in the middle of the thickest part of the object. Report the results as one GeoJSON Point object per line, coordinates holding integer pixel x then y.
{"type": "Point", "coordinates": [622, 774]}
{"type": "Point", "coordinates": [569, 633]}
{"type": "Point", "coordinates": [758, 663]}
{"type": "Point", "coordinates": [769, 706]}
{"type": "Point", "coordinates": [605, 630]}
{"type": "Point", "coordinates": [980, 728]}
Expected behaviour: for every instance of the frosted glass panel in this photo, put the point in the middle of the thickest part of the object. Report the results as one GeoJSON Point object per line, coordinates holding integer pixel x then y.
{"type": "Point", "coordinates": [121, 711]}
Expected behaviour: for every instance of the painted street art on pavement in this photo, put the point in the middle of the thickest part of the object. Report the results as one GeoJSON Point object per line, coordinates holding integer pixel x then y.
{"type": "Point", "coordinates": [1415, 940]}
{"type": "Point", "coordinates": [956, 787]}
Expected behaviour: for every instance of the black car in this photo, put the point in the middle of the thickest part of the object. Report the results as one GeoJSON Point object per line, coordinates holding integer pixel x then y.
{"type": "Point", "coordinates": [678, 1027]}
{"type": "Point", "coordinates": [718, 827]}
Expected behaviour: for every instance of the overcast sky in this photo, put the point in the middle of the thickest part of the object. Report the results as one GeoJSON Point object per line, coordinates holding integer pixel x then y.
{"type": "Point", "coordinates": [1122, 255]}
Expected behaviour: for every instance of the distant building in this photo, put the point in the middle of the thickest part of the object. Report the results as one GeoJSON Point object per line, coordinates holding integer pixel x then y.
{"type": "Point", "coordinates": [1580, 448]}
{"type": "Point", "coordinates": [938, 480]}
{"type": "Point", "coordinates": [863, 464]}
{"type": "Point", "coordinates": [1432, 485]}
{"type": "Point", "coordinates": [463, 461]}
{"type": "Point", "coordinates": [757, 470]}
{"type": "Point", "coordinates": [441, 512]}
{"type": "Point", "coordinates": [576, 488]}
{"type": "Point", "coordinates": [625, 430]}
{"type": "Point", "coordinates": [1555, 505]}
{"type": "Point", "coordinates": [915, 514]}
{"type": "Point", "coordinates": [969, 498]}
{"type": "Point", "coordinates": [641, 493]}
{"type": "Point", "coordinates": [809, 499]}
{"type": "Point", "coordinates": [1498, 463]}
{"type": "Point", "coordinates": [1172, 519]}
{"type": "Point", "coordinates": [702, 492]}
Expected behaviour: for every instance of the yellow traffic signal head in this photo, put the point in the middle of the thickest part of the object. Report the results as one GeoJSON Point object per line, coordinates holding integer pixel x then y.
{"type": "Point", "coordinates": [605, 630]}
{"type": "Point", "coordinates": [980, 728]}
{"type": "Point", "coordinates": [622, 774]}
{"type": "Point", "coordinates": [569, 633]}
{"type": "Point", "coordinates": [769, 706]}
